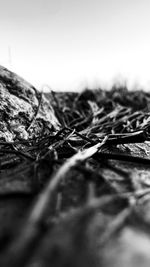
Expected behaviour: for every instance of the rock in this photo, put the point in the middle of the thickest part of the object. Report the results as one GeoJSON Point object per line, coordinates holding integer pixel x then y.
{"type": "Point", "coordinates": [24, 112]}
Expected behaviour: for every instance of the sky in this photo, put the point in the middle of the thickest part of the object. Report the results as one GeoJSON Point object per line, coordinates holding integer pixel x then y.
{"type": "Point", "coordinates": [71, 44]}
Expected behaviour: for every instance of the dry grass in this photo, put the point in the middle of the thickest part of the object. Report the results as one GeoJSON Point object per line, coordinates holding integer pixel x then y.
{"type": "Point", "coordinates": [88, 184]}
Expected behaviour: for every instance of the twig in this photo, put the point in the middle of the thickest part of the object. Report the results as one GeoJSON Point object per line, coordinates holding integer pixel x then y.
{"type": "Point", "coordinates": [136, 137]}
{"type": "Point", "coordinates": [122, 157]}
{"type": "Point", "coordinates": [17, 152]}
{"type": "Point", "coordinates": [58, 110]}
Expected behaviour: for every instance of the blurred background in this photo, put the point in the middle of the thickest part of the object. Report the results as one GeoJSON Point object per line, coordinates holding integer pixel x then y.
{"type": "Point", "coordinates": [71, 44]}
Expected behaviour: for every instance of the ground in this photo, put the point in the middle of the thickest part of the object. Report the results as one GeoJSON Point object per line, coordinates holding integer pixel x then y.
{"type": "Point", "coordinates": [78, 194]}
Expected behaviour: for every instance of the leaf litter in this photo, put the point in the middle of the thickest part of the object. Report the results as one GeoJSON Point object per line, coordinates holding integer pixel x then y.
{"type": "Point", "coordinates": [87, 185]}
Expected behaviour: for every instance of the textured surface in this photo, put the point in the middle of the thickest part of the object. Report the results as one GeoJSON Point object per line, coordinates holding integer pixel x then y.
{"type": "Point", "coordinates": [90, 183]}
{"type": "Point", "coordinates": [24, 112]}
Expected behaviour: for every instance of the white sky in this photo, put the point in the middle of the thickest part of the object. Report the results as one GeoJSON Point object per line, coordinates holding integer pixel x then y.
{"type": "Point", "coordinates": [68, 44]}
